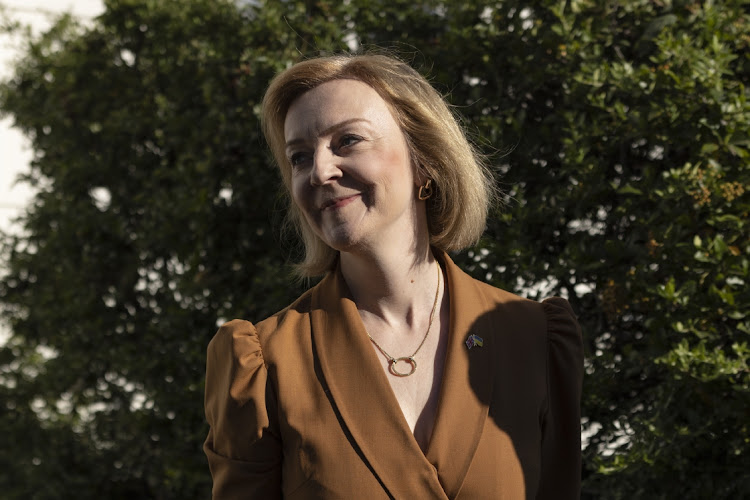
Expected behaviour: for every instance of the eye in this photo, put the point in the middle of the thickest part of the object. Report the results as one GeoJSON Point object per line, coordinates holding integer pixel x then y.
{"type": "Point", "coordinates": [349, 140]}
{"type": "Point", "coordinates": [297, 159]}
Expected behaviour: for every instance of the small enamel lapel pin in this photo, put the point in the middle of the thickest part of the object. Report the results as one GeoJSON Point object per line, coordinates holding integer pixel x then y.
{"type": "Point", "coordinates": [474, 341]}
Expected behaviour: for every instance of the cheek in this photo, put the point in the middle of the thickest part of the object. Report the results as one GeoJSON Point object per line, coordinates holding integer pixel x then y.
{"type": "Point", "coordinates": [297, 190]}
{"type": "Point", "coordinates": [400, 170]}
{"type": "Point", "coordinates": [301, 196]}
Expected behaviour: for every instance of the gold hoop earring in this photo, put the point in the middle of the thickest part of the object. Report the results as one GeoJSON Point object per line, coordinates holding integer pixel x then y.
{"type": "Point", "coordinates": [425, 191]}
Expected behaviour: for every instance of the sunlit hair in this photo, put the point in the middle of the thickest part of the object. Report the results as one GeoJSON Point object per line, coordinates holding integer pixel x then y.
{"type": "Point", "coordinates": [463, 185]}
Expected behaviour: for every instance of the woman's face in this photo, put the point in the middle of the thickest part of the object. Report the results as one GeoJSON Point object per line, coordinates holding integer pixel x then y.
{"type": "Point", "coordinates": [351, 173]}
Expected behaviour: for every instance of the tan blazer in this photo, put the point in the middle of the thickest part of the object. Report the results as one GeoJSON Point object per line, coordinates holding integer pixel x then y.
{"type": "Point", "coordinates": [299, 406]}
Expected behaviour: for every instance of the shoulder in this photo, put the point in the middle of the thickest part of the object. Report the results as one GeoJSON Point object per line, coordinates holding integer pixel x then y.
{"type": "Point", "coordinates": [564, 339]}
{"type": "Point", "coordinates": [488, 299]}
{"type": "Point", "coordinates": [237, 338]}
{"type": "Point", "coordinates": [562, 325]}
{"type": "Point", "coordinates": [287, 319]}
{"type": "Point", "coordinates": [244, 340]}
{"type": "Point", "coordinates": [552, 319]}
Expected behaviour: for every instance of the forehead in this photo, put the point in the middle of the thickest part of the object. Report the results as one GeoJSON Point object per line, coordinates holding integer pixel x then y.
{"type": "Point", "coordinates": [334, 102]}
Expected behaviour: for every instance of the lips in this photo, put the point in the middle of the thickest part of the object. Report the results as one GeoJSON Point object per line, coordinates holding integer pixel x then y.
{"type": "Point", "coordinates": [338, 202]}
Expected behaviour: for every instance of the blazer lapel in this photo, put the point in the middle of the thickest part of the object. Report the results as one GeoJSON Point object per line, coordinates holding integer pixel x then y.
{"type": "Point", "coordinates": [462, 408]}
{"type": "Point", "coordinates": [362, 397]}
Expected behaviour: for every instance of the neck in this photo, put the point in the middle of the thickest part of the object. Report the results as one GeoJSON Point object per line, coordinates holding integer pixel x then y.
{"type": "Point", "coordinates": [392, 284]}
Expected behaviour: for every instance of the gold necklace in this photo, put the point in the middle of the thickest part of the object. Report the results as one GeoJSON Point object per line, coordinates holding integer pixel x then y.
{"type": "Point", "coordinates": [410, 359]}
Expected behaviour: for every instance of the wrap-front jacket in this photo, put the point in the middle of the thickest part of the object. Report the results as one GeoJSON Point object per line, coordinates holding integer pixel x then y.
{"type": "Point", "coordinates": [299, 406]}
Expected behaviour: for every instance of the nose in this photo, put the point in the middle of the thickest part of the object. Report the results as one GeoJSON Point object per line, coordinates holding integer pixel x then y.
{"type": "Point", "coordinates": [325, 167]}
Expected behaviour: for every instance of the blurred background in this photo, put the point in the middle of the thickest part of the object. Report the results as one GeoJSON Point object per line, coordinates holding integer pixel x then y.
{"type": "Point", "coordinates": [36, 16]}
{"type": "Point", "coordinates": [148, 212]}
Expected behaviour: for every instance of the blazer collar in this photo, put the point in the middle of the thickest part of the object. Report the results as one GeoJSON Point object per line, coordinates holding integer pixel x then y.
{"type": "Point", "coordinates": [368, 409]}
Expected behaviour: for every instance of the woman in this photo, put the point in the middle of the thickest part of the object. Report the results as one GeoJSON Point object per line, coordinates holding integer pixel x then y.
{"type": "Point", "coordinates": [397, 376]}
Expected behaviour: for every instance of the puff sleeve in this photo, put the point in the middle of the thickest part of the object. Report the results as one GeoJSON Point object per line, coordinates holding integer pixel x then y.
{"type": "Point", "coordinates": [561, 425]}
{"type": "Point", "coordinates": [243, 446]}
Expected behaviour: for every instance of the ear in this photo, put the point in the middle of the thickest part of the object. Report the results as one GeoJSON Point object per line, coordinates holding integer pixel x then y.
{"type": "Point", "coordinates": [420, 174]}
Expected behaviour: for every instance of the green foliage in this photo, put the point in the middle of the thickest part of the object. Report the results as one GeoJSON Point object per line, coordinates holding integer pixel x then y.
{"type": "Point", "coordinates": [621, 131]}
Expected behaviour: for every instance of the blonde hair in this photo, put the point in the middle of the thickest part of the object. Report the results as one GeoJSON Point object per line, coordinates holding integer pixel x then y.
{"type": "Point", "coordinates": [462, 183]}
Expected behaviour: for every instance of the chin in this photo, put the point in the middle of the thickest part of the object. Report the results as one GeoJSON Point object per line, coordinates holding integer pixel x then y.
{"type": "Point", "coordinates": [343, 239]}
{"type": "Point", "coordinates": [342, 243]}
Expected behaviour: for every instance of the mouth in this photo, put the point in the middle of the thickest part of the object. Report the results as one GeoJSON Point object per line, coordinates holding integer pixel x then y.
{"type": "Point", "coordinates": [339, 202]}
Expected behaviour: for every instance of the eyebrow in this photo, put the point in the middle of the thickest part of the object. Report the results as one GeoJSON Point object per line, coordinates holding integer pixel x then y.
{"type": "Point", "coordinates": [294, 142]}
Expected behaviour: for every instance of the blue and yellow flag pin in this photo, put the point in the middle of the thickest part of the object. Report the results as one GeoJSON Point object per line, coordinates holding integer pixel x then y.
{"type": "Point", "coordinates": [474, 341]}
